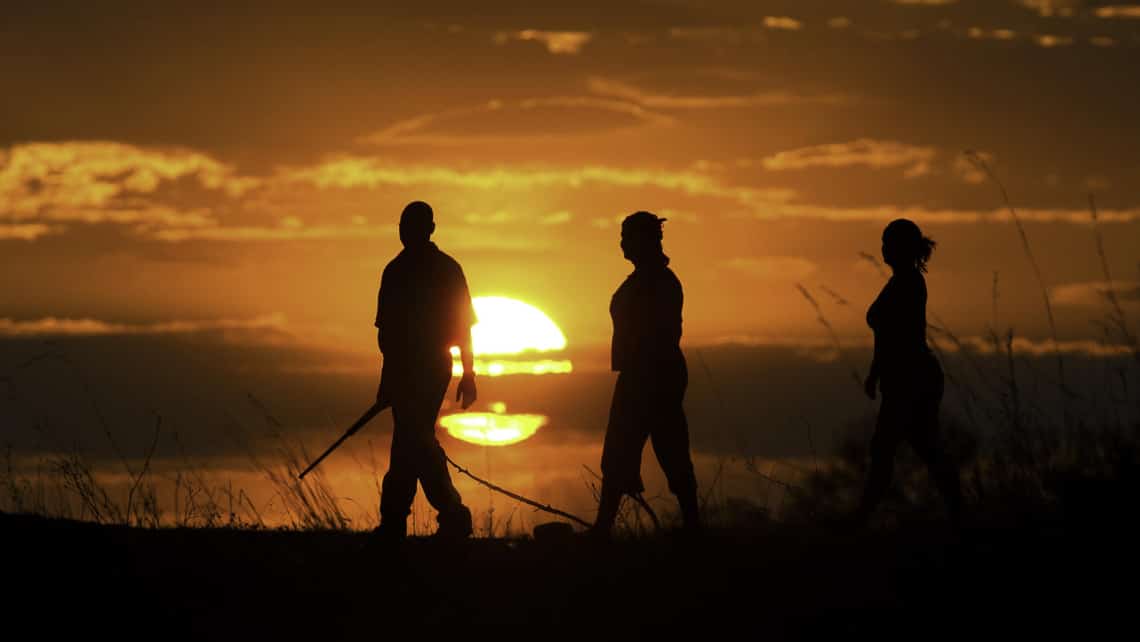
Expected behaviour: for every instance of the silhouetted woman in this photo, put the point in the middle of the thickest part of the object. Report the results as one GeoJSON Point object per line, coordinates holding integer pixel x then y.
{"type": "Point", "coordinates": [650, 389]}
{"type": "Point", "coordinates": [906, 372]}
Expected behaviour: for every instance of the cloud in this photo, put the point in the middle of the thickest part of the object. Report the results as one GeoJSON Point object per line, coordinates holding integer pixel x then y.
{"type": "Point", "coordinates": [285, 232]}
{"type": "Point", "coordinates": [1095, 293]}
{"type": "Point", "coordinates": [106, 182]}
{"type": "Point", "coordinates": [978, 33]}
{"type": "Point", "coordinates": [943, 216]}
{"type": "Point", "coordinates": [369, 172]}
{"type": "Point", "coordinates": [555, 218]}
{"type": "Point", "coordinates": [465, 236]}
{"type": "Point", "coordinates": [791, 268]}
{"type": "Point", "coordinates": [782, 23]}
{"type": "Point", "coordinates": [26, 231]}
{"type": "Point", "coordinates": [865, 151]}
{"type": "Point", "coordinates": [77, 180]}
{"type": "Point", "coordinates": [711, 35]}
{"type": "Point", "coordinates": [1118, 11]}
{"type": "Point", "coordinates": [431, 129]}
{"type": "Point", "coordinates": [1030, 347]}
{"type": "Point", "coordinates": [1049, 8]}
{"type": "Point", "coordinates": [764, 203]}
{"type": "Point", "coordinates": [51, 326]}
{"type": "Point", "coordinates": [839, 22]}
{"type": "Point", "coordinates": [556, 42]}
{"type": "Point", "coordinates": [1050, 41]}
{"type": "Point", "coordinates": [494, 218]}
{"type": "Point", "coordinates": [823, 348]}
{"type": "Point", "coordinates": [608, 87]}
{"type": "Point", "coordinates": [968, 170]}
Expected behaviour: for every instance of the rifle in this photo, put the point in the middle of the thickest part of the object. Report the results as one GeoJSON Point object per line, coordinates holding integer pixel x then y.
{"type": "Point", "coordinates": [376, 409]}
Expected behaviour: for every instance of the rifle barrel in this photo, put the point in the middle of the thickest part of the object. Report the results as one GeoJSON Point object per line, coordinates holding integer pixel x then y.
{"type": "Point", "coordinates": [365, 418]}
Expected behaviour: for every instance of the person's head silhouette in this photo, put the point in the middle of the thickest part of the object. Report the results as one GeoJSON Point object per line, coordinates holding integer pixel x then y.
{"type": "Point", "coordinates": [641, 236]}
{"type": "Point", "coordinates": [416, 224]}
{"type": "Point", "coordinates": [904, 246]}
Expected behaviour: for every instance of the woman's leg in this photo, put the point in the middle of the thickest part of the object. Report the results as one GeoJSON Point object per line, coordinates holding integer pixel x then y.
{"type": "Point", "coordinates": [924, 438]}
{"type": "Point", "coordinates": [671, 445]}
{"type": "Point", "coordinates": [884, 443]}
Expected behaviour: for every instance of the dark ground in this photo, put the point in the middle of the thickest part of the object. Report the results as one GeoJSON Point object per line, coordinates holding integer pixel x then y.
{"type": "Point", "coordinates": [1045, 581]}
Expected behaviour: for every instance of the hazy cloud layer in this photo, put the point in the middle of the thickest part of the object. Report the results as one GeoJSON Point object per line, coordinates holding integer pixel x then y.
{"type": "Point", "coordinates": [471, 125]}
{"type": "Point", "coordinates": [868, 152]}
{"type": "Point", "coordinates": [788, 268]}
{"type": "Point", "coordinates": [52, 327]}
{"type": "Point", "coordinates": [556, 42]}
{"type": "Point", "coordinates": [1096, 293]}
{"type": "Point", "coordinates": [262, 168]}
{"type": "Point", "coordinates": [627, 91]}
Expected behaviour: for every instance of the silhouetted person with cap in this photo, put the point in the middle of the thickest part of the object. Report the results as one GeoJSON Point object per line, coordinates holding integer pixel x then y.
{"type": "Point", "coordinates": [652, 377]}
{"type": "Point", "coordinates": [907, 373]}
{"type": "Point", "coordinates": [423, 309]}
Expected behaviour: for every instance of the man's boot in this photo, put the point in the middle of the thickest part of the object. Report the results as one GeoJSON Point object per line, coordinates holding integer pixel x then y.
{"type": "Point", "coordinates": [391, 532]}
{"type": "Point", "coordinates": [455, 524]}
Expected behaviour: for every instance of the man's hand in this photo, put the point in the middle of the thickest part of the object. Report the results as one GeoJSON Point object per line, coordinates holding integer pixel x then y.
{"type": "Point", "coordinates": [869, 386]}
{"type": "Point", "coordinates": [465, 391]}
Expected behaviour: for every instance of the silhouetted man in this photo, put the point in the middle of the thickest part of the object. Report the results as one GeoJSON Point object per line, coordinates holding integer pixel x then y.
{"type": "Point", "coordinates": [423, 309]}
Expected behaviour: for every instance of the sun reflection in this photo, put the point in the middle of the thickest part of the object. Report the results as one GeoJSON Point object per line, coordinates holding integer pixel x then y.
{"type": "Point", "coordinates": [496, 368]}
{"type": "Point", "coordinates": [494, 428]}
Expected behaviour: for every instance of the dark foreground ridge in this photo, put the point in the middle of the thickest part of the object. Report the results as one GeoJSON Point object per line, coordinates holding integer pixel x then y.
{"type": "Point", "coordinates": [1032, 582]}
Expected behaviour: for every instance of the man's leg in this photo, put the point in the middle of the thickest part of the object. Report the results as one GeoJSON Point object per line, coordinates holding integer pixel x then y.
{"type": "Point", "coordinates": [398, 489]}
{"type": "Point", "coordinates": [431, 465]}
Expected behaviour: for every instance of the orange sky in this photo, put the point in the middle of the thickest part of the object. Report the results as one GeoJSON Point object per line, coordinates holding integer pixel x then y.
{"type": "Point", "coordinates": [228, 168]}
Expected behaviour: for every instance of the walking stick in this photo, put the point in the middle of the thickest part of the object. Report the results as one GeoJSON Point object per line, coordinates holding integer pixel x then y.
{"type": "Point", "coordinates": [376, 409]}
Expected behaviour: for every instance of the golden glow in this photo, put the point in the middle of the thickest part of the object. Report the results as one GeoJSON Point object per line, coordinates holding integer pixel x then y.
{"type": "Point", "coordinates": [510, 327]}
{"type": "Point", "coordinates": [494, 428]}
{"type": "Point", "coordinates": [498, 368]}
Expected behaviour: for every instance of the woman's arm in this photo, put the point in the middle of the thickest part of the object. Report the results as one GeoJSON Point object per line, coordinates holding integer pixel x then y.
{"type": "Point", "coordinates": [875, 319]}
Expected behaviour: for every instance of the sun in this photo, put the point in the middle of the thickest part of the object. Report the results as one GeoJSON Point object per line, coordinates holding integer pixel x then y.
{"type": "Point", "coordinates": [508, 329]}
{"type": "Point", "coordinates": [509, 326]}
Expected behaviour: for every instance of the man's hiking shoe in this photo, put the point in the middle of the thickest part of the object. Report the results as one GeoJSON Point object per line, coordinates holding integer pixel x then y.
{"type": "Point", "coordinates": [454, 526]}
{"type": "Point", "coordinates": [390, 533]}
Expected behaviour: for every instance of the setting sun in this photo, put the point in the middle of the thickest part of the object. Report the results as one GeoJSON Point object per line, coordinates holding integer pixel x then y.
{"type": "Point", "coordinates": [508, 328]}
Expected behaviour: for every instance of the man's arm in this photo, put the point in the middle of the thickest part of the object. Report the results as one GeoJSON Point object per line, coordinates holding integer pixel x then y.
{"type": "Point", "coordinates": [380, 301]}
{"type": "Point", "coordinates": [465, 392]}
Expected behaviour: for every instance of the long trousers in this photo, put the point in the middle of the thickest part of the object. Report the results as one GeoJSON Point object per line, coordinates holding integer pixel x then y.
{"type": "Point", "coordinates": [416, 455]}
{"type": "Point", "coordinates": [648, 406]}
